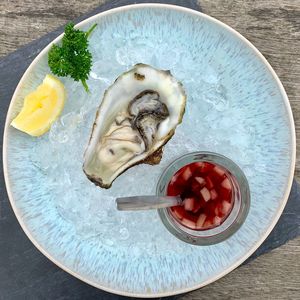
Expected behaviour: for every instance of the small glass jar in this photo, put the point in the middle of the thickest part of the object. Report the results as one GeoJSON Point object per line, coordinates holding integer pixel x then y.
{"type": "Point", "coordinates": [238, 214]}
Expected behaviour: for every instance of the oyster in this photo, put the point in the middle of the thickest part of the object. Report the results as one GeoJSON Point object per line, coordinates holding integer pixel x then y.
{"type": "Point", "coordinates": [138, 115]}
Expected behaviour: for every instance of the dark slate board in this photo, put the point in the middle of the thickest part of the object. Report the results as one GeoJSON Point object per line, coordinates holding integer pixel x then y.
{"type": "Point", "coordinates": [25, 273]}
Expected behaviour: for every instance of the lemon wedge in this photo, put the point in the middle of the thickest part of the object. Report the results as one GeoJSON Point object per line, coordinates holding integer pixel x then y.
{"type": "Point", "coordinates": [41, 107]}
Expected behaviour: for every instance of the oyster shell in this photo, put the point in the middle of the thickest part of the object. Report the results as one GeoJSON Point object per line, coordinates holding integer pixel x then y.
{"type": "Point", "coordinates": [138, 115]}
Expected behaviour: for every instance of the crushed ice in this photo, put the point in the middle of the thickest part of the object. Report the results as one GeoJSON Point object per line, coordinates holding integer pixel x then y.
{"type": "Point", "coordinates": [206, 126]}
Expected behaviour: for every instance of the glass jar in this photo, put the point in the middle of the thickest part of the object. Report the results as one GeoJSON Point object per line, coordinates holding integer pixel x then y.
{"type": "Point", "coordinates": [240, 194]}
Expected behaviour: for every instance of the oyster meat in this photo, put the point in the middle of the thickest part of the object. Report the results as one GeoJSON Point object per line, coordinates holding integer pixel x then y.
{"type": "Point", "coordinates": [137, 116]}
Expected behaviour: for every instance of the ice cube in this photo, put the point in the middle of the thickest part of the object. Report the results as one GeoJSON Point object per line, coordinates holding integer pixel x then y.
{"type": "Point", "coordinates": [124, 233]}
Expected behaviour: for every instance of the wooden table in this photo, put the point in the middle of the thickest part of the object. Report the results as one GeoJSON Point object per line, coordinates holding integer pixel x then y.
{"type": "Point", "coordinates": [273, 26]}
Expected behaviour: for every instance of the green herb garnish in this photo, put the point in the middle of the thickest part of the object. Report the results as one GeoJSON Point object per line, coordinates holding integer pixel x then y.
{"type": "Point", "coordinates": [72, 58]}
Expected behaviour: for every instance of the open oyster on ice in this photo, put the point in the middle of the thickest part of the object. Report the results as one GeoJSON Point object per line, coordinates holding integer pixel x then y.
{"type": "Point", "coordinates": [137, 116]}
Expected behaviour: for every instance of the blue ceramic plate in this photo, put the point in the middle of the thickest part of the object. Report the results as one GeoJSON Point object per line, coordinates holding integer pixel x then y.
{"type": "Point", "coordinates": [236, 106]}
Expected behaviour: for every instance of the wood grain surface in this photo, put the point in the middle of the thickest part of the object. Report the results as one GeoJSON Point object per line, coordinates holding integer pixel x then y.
{"type": "Point", "coordinates": [273, 26]}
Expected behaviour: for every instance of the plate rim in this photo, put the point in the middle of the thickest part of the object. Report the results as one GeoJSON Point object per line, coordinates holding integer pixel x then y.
{"type": "Point", "coordinates": [291, 167]}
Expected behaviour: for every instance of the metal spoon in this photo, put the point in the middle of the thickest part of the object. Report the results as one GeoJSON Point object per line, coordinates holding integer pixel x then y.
{"type": "Point", "coordinates": [147, 202]}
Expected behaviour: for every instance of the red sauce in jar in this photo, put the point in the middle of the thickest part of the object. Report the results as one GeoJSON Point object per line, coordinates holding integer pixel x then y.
{"type": "Point", "coordinates": [206, 191]}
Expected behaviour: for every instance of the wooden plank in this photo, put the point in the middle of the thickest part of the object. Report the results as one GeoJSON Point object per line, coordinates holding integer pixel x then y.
{"type": "Point", "coordinates": [273, 26]}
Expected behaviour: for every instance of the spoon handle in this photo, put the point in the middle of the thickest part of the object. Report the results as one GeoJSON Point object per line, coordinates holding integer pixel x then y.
{"type": "Point", "coordinates": [147, 202]}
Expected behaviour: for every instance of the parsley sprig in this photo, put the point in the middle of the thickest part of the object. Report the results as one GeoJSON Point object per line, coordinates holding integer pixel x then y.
{"type": "Point", "coordinates": [72, 58]}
